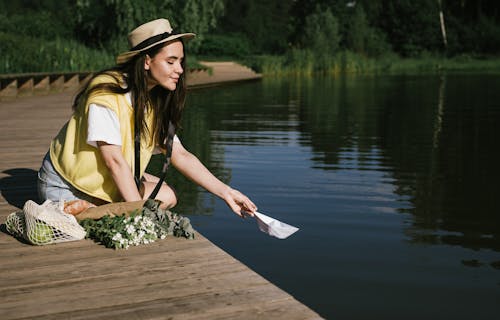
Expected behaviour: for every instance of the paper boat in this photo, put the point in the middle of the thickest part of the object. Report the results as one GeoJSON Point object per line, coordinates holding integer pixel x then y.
{"type": "Point", "coordinates": [274, 227]}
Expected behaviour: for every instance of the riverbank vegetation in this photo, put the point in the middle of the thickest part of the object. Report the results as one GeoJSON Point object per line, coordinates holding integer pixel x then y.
{"type": "Point", "coordinates": [273, 37]}
{"type": "Point", "coordinates": [305, 63]}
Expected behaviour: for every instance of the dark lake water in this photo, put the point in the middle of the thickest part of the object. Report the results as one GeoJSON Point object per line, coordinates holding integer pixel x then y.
{"type": "Point", "coordinates": [392, 180]}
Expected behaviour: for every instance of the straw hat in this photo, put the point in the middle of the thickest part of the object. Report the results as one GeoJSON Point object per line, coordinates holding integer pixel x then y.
{"type": "Point", "coordinates": [149, 35]}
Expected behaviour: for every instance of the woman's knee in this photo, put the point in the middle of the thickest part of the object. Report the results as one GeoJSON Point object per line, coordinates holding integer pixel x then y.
{"type": "Point", "coordinates": [166, 194]}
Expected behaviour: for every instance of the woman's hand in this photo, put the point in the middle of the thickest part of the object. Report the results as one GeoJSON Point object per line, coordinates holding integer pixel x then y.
{"type": "Point", "coordinates": [239, 203]}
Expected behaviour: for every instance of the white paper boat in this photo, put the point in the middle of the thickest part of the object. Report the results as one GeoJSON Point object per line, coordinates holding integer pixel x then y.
{"type": "Point", "coordinates": [274, 227]}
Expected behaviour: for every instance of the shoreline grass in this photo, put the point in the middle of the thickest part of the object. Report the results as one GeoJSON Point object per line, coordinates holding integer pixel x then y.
{"type": "Point", "coordinates": [300, 64]}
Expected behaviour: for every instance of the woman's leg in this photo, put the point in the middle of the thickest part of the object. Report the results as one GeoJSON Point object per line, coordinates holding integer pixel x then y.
{"type": "Point", "coordinates": [51, 186]}
{"type": "Point", "coordinates": [166, 194]}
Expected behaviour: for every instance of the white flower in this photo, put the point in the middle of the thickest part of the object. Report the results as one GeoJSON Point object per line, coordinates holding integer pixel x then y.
{"type": "Point", "coordinates": [130, 229]}
{"type": "Point", "coordinates": [141, 234]}
{"type": "Point", "coordinates": [117, 237]}
{"type": "Point", "coordinates": [134, 231]}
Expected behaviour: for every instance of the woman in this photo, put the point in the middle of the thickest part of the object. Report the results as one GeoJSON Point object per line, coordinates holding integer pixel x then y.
{"type": "Point", "coordinates": [94, 158]}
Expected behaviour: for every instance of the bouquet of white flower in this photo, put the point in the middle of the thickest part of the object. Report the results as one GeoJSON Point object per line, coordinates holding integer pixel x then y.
{"type": "Point", "coordinates": [138, 227]}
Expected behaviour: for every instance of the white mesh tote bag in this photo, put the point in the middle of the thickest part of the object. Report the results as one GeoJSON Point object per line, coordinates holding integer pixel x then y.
{"type": "Point", "coordinates": [44, 224]}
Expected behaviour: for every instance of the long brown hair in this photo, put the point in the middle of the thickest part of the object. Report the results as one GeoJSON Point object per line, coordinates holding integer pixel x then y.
{"type": "Point", "coordinates": [132, 77]}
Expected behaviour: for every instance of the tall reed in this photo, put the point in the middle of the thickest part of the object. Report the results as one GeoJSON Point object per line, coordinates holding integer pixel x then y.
{"type": "Point", "coordinates": [303, 62]}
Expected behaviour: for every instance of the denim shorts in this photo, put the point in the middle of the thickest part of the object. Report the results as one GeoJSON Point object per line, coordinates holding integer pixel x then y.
{"type": "Point", "coordinates": [51, 186]}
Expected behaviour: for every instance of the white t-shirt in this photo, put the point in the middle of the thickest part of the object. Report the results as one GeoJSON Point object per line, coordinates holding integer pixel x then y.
{"type": "Point", "coordinates": [103, 125]}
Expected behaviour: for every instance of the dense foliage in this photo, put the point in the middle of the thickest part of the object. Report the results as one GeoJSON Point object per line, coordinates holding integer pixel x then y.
{"type": "Point", "coordinates": [370, 27]}
{"type": "Point", "coordinates": [81, 35]}
{"type": "Point", "coordinates": [53, 35]}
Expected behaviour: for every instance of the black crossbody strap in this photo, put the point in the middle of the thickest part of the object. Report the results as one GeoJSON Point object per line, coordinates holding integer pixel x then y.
{"type": "Point", "coordinates": [137, 151]}
{"type": "Point", "coordinates": [168, 155]}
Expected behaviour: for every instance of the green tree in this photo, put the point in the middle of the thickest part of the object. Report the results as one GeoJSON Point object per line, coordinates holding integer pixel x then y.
{"type": "Point", "coordinates": [363, 38]}
{"type": "Point", "coordinates": [107, 22]}
{"type": "Point", "coordinates": [357, 30]}
{"type": "Point", "coordinates": [304, 8]}
{"type": "Point", "coordinates": [200, 16]}
{"type": "Point", "coordinates": [321, 32]}
{"type": "Point", "coordinates": [472, 26]}
{"type": "Point", "coordinates": [265, 23]}
{"type": "Point", "coordinates": [412, 26]}
{"type": "Point", "coordinates": [46, 19]}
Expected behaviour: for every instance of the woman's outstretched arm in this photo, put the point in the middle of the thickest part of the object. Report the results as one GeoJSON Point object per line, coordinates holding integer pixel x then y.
{"type": "Point", "coordinates": [191, 167]}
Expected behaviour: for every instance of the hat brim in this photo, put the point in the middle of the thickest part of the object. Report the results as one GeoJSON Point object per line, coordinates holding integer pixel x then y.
{"type": "Point", "coordinates": [126, 56]}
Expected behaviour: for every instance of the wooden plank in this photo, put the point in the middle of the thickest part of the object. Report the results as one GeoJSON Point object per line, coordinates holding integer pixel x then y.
{"type": "Point", "coordinates": [57, 83]}
{"type": "Point", "coordinates": [72, 82]}
{"type": "Point", "coordinates": [9, 90]}
{"type": "Point", "coordinates": [26, 88]}
{"type": "Point", "coordinates": [42, 87]}
{"type": "Point", "coordinates": [171, 278]}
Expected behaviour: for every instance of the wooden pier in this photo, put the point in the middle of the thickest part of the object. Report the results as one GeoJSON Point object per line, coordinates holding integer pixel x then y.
{"type": "Point", "coordinates": [173, 278]}
{"type": "Point", "coordinates": [30, 84]}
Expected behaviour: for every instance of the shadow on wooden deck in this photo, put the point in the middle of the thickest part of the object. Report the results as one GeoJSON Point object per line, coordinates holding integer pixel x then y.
{"type": "Point", "coordinates": [19, 185]}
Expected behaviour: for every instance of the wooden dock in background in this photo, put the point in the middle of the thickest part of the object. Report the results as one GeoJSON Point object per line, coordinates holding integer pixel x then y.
{"type": "Point", "coordinates": [173, 278]}
{"type": "Point", "coordinates": [36, 84]}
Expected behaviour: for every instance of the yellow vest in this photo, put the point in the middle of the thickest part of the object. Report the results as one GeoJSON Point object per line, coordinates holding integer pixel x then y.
{"type": "Point", "coordinates": [80, 163]}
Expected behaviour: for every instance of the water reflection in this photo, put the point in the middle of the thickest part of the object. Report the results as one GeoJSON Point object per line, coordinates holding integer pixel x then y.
{"type": "Point", "coordinates": [392, 179]}
{"type": "Point", "coordinates": [435, 137]}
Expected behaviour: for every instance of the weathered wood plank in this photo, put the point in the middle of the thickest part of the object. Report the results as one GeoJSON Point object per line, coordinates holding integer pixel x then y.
{"type": "Point", "coordinates": [137, 285]}
{"type": "Point", "coordinates": [198, 306]}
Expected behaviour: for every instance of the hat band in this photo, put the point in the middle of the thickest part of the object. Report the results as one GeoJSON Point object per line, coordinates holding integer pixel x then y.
{"type": "Point", "coordinates": [152, 40]}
